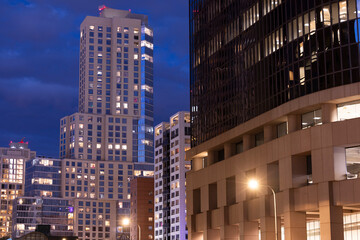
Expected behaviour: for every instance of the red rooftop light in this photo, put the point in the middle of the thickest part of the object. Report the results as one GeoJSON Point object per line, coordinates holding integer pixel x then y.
{"type": "Point", "coordinates": [102, 8]}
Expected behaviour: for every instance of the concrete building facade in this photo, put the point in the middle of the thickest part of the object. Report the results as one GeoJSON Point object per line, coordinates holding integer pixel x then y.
{"type": "Point", "coordinates": [274, 97]}
{"type": "Point", "coordinates": [142, 208]}
{"type": "Point", "coordinates": [171, 141]}
{"type": "Point", "coordinates": [12, 170]}
{"type": "Point", "coordinates": [311, 163]}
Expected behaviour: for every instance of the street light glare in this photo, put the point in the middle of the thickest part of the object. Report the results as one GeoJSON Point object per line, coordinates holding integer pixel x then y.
{"type": "Point", "coordinates": [253, 184]}
{"type": "Point", "coordinates": [126, 222]}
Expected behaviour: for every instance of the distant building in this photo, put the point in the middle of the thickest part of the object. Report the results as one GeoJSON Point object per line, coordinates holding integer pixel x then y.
{"type": "Point", "coordinates": [12, 180]}
{"type": "Point", "coordinates": [95, 219]}
{"type": "Point", "coordinates": [142, 208]}
{"type": "Point", "coordinates": [28, 212]}
{"type": "Point", "coordinates": [96, 183]}
{"type": "Point", "coordinates": [43, 177]}
{"type": "Point", "coordinates": [43, 232]}
{"type": "Point", "coordinates": [171, 141]}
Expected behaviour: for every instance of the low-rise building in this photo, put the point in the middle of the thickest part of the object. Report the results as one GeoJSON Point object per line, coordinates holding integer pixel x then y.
{"type": "Point", "coordinates": [29, 212]}
{"type": "Point", "coordinates": [12, 180]}
{"type": "Point", "coordinates": [142, 208]}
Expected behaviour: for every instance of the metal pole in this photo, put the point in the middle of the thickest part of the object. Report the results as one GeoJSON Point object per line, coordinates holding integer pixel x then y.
{"type": "Point", "coordinates": [275, 214]}
{"type": "Point", "coordinates": [139, 232]}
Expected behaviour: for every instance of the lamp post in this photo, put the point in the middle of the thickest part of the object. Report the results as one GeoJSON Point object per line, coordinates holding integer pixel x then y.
{"type": "Point", "coordinates": [139, 231]}
{"type": "Point", "coordinates": [254, 184]}
{"type": "Point", "coordinates": [126, 222]}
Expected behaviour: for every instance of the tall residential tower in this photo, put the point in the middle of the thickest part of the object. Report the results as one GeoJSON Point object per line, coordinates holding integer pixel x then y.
{"type": "Point", "coordinates": [114, 126]}
{"type": "Point", "coordinates": [171, 141]}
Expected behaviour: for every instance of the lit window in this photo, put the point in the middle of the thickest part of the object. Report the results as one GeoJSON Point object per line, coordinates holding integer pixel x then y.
{"type": "Point", "coordinates": [348, 110]}
{"type": "Point", "coordinates": [311, 119]}
{"type": "Point", "coordinates": [325, 15]}
{"type": "Point", "coordinates": [98, 146]}
{"type": "Point", "coordinates": [146, 57]}
{"type": "Point", "coordinates": [148, 31]}
{"type": "Point", "coordinates": [342, 11]}
{"type": "Point", "coordinates": [147, 44]}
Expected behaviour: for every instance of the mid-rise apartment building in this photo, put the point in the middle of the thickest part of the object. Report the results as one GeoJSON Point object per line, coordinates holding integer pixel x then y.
{"type": "Point", "coordinates": [12, 180]}
{"type": "Point", "coordinates": [103, 181]}
{"type": "Point", "coordinates": [171, 141]}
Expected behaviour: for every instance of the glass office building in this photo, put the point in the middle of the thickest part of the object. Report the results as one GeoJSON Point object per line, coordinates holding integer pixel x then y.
{"type": "Point", "coordinates": [43, 177]}
{"type": "Point", "coordinates": [248, 57]}
{"type": "Point", "coordinates": [28, 212]}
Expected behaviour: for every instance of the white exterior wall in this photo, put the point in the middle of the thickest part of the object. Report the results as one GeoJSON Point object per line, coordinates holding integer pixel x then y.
{"type": "Point", "coordinates": [178, 143]}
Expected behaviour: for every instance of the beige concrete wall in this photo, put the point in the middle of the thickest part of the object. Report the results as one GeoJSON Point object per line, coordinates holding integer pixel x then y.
{"type": "Point", "coordinates": [282, 163]}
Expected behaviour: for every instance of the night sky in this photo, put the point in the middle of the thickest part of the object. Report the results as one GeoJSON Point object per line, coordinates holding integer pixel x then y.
{"type": "Point", "coordinates": [39, 63]}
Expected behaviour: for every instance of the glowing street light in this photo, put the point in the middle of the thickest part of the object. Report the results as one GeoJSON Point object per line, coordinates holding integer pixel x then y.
{"type": "Point", "coordinates": [126, 222]}
{"type": "Point", "coordinates": [254, 185]}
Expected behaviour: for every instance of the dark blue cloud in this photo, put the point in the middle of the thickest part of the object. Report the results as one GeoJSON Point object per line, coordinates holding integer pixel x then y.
{"type": "Point", "coordinates": [39, 51]}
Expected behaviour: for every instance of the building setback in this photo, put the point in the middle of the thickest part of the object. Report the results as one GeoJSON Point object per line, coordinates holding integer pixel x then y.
{"type": "Point", "coordinates": [12, 180]}
{"type": "Point", "coordinates": [142, 208]}
{"type": "Point", "coordinates": [171, 141]}
{"type": "Point", "coordinates": [275, 97]}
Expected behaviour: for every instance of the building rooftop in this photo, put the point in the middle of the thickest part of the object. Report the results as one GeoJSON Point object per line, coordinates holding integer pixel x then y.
{"type": "Point", "coordinates": [112, 13]}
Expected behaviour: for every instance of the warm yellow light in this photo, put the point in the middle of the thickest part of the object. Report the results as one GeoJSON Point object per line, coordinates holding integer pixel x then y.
{"type": "Point", "coordinates": [253, 184]}
{"type": "Point", "coordinates": [126, 222]}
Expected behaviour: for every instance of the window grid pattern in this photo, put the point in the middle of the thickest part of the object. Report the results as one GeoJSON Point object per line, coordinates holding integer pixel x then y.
{"type": "Point", "coordinates": [292, 49]}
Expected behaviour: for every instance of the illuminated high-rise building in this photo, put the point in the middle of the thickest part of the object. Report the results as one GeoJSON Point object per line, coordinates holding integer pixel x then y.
{"type": "Point", "coordinates": [114, 125]}
{"type": "Point", "coordinates": [172, 139]}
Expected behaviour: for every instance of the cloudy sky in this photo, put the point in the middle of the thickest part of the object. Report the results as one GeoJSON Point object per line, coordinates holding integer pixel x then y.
{"type": "Point", "coordinates": [39, 58]}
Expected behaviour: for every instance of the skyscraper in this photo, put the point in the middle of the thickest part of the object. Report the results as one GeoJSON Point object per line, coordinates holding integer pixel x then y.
{"type": "Point", "coordinates": [12, 180]}
{"type": "Point", "coordinates": [114, 126]}
{"type": "Point", "coordinates": [264, 54]}
{"type": "Point", "coordinates": [171, 141]}
{"type": "Point", "coordinates": [115, 119]}
{"type": "Point", "coordinates": [275, 98]}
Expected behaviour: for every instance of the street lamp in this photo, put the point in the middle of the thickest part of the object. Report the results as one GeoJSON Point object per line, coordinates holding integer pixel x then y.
{"type": "Point", "coordinates": [126, 222]}
{"type": "Point", "coordinates": [254, 184]}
